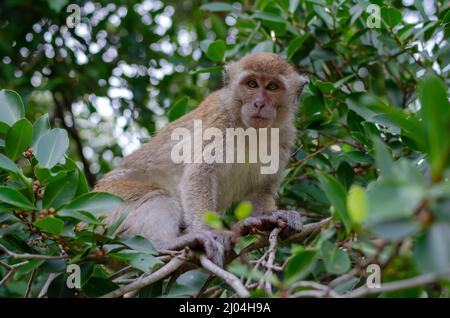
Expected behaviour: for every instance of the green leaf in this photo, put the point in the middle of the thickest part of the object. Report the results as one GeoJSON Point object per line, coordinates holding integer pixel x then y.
{"type": "Point", "coordinates": [58, 288]}
{"type": "Point", "coordinates": [141, 261]}
{"type": "Point", "coordinates": [57, 5]}
{"type": "Point", "coordinates": [94, 202]}
{"type": "Point", "coordinates": [6, 208]}
{"type": "Point", "coordinates": [40, 128]}
{"type": "Point", "coordinates": [152, 291]}
{"type": "Point", "coordinates": [391, 16]}
{"type": "Point", "coordinates": [51, 147]}
{"type": "Point", "coordinates": [118, 222]}
{"type": "Point", "coordinates": [7, 164]}
{"type": "Point", "coordinates": [370, 108]}
{"type": "Point", "coordinates": [46, 176]}
{"type": "Point", "coordinates": [18, 138]}
{"type": "Point", "coordinates": [264, 46]}
{"type": "Point", "coordinates": [3, 130]}
{"type": "Point", "coordinates": [435, 114]}
{"type": "Point", "coordinates": [337, 195]}
{"type": "Point", "coordinates": [213, 219]}
{"type": "Point", "coordinates": [395, 230]}
{"type": "Point", "coordinates": [51, 225]}
{"type": "Point", "coordinates": [243, 210]}
{"type": "Point", "coordinates": [270, 17]}
{"type": "Point", "coordinates": [178, 109]}
{"type": "Point", "coordinates": [293, 5]}
{"type": "Point", "coordinates": [295, 45]}
{"type": "Point", "coordinates": [390, 199]}
{"type": "Point", "coordinates": [11, 107]}
{"type": "Point", "coordinates": [336, 260]}
{"type": "Point", "coordinates": [140, 244]}
{"type": "Point", "coordinates": [432, 250]}
{"type": "Point", "coordinates": [83, 186]}
{"type": "Point", "coordinates": [345, 174]}
{"type": "Point", "coordinates": [82, 216]}
{"type": "Point", "coordinates": [15, 198]}
{"type": "Point", "coordinates": [383, 158]}
{"type": "Point", "coordinates": [189, 283]}
{"type": "Point", "coordinates": [342, 81]}
{"type": "Point", "coordinates": [98, 286]}
{"type": "Point", "coordinates": [324, 16]}
{"type": "Point", "coordinates": [61, 191]}
{"type": "Point", "coordinates": [217, 7]}
{"type": "Point", "coordinates": [216, 50]}
{"type": "Point", "coordinates": [301, 265]}
{"type": "Point", "coordinates": [357, 204]}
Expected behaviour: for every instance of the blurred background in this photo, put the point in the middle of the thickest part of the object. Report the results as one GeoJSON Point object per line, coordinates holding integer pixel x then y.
{"type": "Point", "coordinates": [112, 76]}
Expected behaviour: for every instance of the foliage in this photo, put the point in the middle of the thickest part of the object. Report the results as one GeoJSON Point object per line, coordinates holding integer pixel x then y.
{"type": "Point", "coordinates": [373, 149]}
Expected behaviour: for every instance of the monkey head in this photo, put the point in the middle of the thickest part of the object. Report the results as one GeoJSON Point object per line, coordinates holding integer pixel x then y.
{"type": "Point", "coordinates": [265, 87]}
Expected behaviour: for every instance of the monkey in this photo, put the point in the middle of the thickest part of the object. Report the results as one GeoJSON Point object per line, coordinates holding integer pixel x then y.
{"type": "Point", "coordinates": [167, 200]}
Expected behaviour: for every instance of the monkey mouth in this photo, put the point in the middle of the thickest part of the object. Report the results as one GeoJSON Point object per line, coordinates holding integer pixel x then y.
{"type": "Point", "coordinates": [259, 121]}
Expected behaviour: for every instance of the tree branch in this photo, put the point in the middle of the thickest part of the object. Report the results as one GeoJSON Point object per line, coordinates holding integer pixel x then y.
{"type": "Point", "coordinates": [31, 256]}
{"type": "Point", "coordinates": [397, 285]}
{"type": "Point", "coordinates": [143, 281]}
{"type": "Point", "coordinates": [231, 280]}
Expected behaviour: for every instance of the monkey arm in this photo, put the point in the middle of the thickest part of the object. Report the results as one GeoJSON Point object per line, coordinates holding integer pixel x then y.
{"type": "Point", "coordinates": [199, 194]}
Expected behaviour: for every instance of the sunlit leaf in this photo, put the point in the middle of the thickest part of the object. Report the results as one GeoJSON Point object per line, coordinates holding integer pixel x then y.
{"type": "Point", "coordinates": [51, 147]}
{"type": "Point", "coordinates": [11, 107]}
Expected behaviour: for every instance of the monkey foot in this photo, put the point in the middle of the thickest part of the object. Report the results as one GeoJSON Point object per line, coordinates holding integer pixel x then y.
{"type": "Point", "coordinates": [289, 221]}
{"type": "Point", "coordinates": [215, 244]}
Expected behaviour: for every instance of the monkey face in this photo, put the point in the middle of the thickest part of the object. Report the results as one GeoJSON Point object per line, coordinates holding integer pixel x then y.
{"type": "Point", "coordinates": [261, 95]}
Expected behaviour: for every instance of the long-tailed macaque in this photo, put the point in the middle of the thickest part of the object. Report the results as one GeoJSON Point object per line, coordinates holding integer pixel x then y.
{"type": "Point", "coordinates": [166, 200]}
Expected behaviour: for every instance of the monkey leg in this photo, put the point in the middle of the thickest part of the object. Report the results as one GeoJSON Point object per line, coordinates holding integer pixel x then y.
{"type": "Point", "coordinates": [154, 215]}
{"type": "Point", "coordinates": [289, 221]}
{"type": "Point", "coordinates": [158, 217]}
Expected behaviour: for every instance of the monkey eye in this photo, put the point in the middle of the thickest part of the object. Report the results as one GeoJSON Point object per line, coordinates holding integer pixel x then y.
{"type": "Point", "coordinates": [272, 87]}
{"type": "Point", "coordinates": [252, 84]}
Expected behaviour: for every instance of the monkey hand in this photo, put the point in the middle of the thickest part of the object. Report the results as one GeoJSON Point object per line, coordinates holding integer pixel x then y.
{"type": "Point", "coordinates": [289, 221]}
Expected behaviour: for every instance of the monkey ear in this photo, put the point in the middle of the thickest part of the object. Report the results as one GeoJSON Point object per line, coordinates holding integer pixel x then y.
{"type": "Point", "coordinates": [302, 81]}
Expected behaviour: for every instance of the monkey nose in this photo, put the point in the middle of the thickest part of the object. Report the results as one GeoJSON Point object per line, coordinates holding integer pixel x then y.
{"type": "Point", "coordinates": [259, 105]}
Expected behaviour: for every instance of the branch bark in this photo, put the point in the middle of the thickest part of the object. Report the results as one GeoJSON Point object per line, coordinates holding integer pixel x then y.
{"type": "Point", "coordinates": [31, 256]}
{"type": "Point", "coordinates": [231, 280]}
{"type": "Point", "coordinates": [398, 285]}
{"type": "Point", "coordinates": [141, 282]}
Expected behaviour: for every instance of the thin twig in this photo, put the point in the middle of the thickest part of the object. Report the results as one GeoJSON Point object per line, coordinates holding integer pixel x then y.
{"type": "Point", "coordinates": [146, 280]}
{"type": "Point", "coordinates": [30, 283]}
{"type": "Point", "coordinates": [30, 256]}
{"type": "Point", "coordinates": [205, 285]}
{"type": "Point", "coordinates": [320, 290]}
{"type": "Point", "coordinates": [121, 272]}
{"type": "Point", "coordinates": [229, 278]}
{"type": "Point", "coordinates": [11, 270]}
{"type": "Point", "coordinates": [50, 279]}
{"type": "Point", "coordinates": [397, 285]}
{"type": "Point", "coordinates": [273, 240]}
{"type": "Point", "coordinates": [306, 231]}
